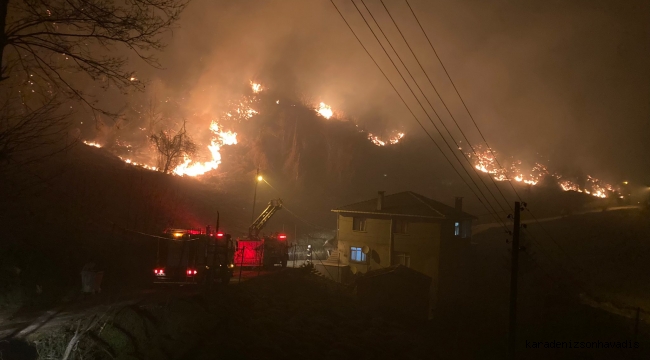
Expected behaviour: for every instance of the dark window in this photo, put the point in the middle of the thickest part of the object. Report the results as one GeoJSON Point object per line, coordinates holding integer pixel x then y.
{"type": "Point", "coordinates": [467, 229]}
{"type": "Point", "coordinates": [358, 224]}
{"type": "Point", "coordinates": [401, 227]}
{"type": "Point", "coordinates": [356, 254]}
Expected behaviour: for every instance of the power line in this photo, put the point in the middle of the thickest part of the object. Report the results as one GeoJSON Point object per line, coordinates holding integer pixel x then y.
{"type": "Point", "coordinates": [451, 115]}
{"type": "Point", "coordinates": [547, 255]}
{"type": "Point", "coordinates": [535, 240]}
{"type": "Point", "coordinates": [434, 110]}
{"type": "Point", "coordinates": [454, 85]}
{"type": "Point", "coordinates": [292, 213]}
{"type": "Point", "coordinates": [407, 106]}
{"type": "Point", "coordinates": [427, 114]}
{"type": "Point", "coordinates": [305, 221]}
{"type": "Point", "coordinates": [458, 126]}
{"type": "Point", "coordinates": [443, 102]}
{"type": "Point", "coordinates": [477, 127]}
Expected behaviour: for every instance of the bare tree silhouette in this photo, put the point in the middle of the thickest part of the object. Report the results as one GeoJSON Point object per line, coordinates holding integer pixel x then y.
{"type": "Point", "coordinates": [172, 149]}
{"type": "Point", "coordinates": [28, 135]}
{"type": "Point", "coordinates": [48, 43]}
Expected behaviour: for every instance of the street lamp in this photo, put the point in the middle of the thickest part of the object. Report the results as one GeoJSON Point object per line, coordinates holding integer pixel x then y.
{"type": "Point", "coordinates": [259, 179]}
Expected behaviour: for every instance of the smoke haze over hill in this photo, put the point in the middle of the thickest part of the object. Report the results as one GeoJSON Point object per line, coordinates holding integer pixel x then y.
{"type": "Point", "coordinates": [557, 82]}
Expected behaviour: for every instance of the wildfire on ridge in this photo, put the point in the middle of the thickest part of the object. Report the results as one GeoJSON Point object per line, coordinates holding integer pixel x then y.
{"type": "Point", "coordinates": [190, 167]}
{"type": "Point", "coordinates": [325, 110]}
{"type": "Point", "coordinates": [485, 161]}
{"type": "Point", "coordinates": [391, 141]}
{"type": "Point", "coordinates": [239, 110]}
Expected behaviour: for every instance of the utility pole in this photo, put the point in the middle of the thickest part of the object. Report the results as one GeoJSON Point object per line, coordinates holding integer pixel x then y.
{"type": "Point", "coordinates": [514, 270]}
{"type": "Point", "coordinates": [257, 180]}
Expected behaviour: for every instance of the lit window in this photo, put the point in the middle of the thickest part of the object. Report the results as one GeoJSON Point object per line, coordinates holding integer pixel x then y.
{"type": "Point", "coordinates": [358, 224]}
{"type": "Point", "coordinates": [457, 229]}
{"type": "Point", "coordinates": [401, 226]}
{"type": "Point", "coordinates": [356, 254]}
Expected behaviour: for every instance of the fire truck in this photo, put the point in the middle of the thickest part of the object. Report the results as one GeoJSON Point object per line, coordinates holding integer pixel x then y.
{"type": "Point", "coordinates": [194, 256]}
{"type": "Point", "coordinates": [265, 251]}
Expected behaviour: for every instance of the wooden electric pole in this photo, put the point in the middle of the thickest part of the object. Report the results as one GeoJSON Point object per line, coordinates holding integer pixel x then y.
{"type": "Point", "coordinates": [514, 270]}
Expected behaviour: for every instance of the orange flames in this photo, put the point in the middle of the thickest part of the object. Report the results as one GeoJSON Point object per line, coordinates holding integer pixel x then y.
{"type": "Point", "coordinates": [131, 162]}
{"type": "Point", "coordinates": [238, 111]}
{"type": "Point", "coordinates": [256, 87]}
{"type": "Point", "coordinates": [219, 138]}
{"type": "Point", "coordinates": [91, 143]}
{"type": "Point", "coordinates": [325, 110]}
{"type": "Point", "coordinates": [190, 167]}
{"type": "Point", "coordinates": [485, 161]}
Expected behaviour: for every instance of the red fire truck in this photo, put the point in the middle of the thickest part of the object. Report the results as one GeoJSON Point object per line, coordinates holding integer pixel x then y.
{"type": "Point", "coordinates": [266, 251]}
{"type": "Point", "coordinates": [194, 256]}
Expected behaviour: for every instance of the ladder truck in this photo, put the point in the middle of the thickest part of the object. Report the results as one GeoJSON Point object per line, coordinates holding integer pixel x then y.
{"type": "Point", "coordinates": [265, 251]}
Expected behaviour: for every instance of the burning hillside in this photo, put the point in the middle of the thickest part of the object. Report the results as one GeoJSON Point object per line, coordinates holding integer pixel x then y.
{"type": "Point", "coordinates": [237, 113]}
{"type": "Point", "coordinates": [301, 141]}
{"type": "Point", "coordinates": [512, 169]}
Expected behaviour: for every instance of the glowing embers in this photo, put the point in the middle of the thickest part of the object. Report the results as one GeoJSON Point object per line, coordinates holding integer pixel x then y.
{"type": "Point", "coordinates": [242, 109]}
{"type": "Point", "coordinates": [325, 110]}
{"type": "Point", "coordinates": [391, 141]}
{"type": "Point", "coordinates": [485, 161]}
{"type": "Point", "coordinates": [131, 162]}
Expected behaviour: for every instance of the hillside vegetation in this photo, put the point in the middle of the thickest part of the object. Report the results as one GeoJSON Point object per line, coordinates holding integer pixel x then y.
{"type": "Point", "coordinates": [88, 206]}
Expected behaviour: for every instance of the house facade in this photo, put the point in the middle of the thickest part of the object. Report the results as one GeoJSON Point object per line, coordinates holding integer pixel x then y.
{"type": "Point", "coordinates": [407, 229]}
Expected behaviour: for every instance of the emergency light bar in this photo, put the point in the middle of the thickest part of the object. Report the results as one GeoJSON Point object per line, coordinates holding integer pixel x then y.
{"type": "Point", "coordinates": [282, 237]}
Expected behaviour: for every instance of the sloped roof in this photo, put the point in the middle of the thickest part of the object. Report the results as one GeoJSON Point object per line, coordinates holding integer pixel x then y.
{"type": "Point", "coordinates": [406, 203]}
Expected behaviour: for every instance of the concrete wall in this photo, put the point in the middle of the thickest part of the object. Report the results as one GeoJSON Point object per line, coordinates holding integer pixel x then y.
{"type": "Point", "coordinates": [376, 237]}
{"type": "Point", "coordinates": [421, 242]}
